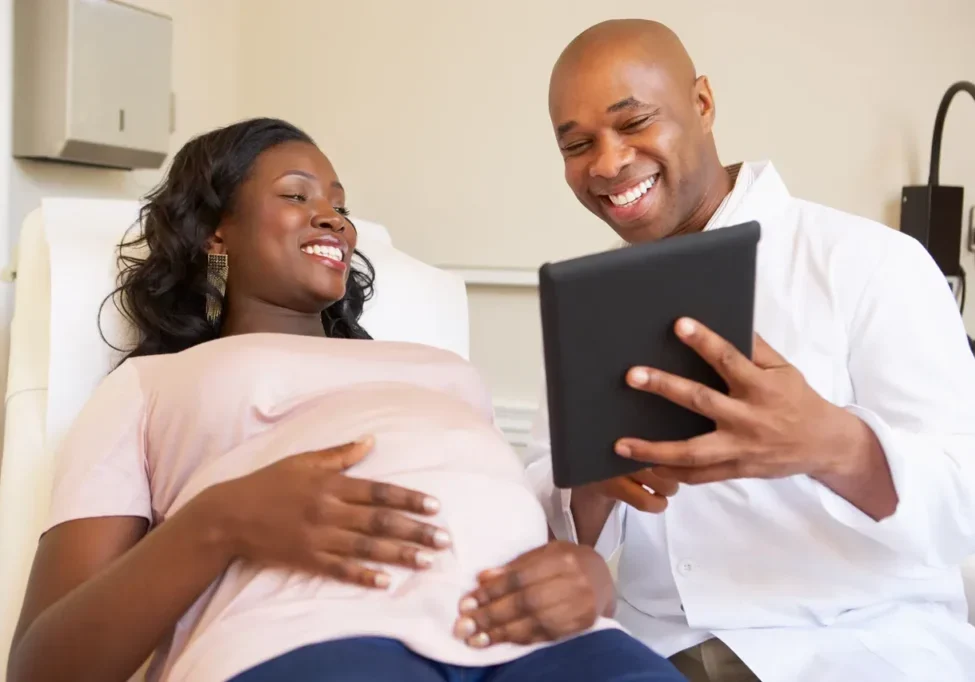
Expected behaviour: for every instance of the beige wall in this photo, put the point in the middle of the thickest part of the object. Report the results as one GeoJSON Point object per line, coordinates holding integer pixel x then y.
{"type": "Point", "coordinates": [434, 113]}
{"type": "Point", "coordinates": [205, 45]}
{"type": "Point", "coordinates": [206, 40]}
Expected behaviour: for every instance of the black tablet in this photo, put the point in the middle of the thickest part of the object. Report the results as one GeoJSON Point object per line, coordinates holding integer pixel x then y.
{"type": "Point", "coordinates": [605, 313]}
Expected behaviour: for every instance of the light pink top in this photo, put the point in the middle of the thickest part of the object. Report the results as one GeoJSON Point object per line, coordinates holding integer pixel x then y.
{"type": "Point", "coordinates": [158, 430]}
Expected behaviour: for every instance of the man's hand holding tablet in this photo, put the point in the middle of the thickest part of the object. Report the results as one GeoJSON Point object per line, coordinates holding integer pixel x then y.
{"type": "Point", "coordinates": [655, 377]}
{"type": "Point", "coordinates": [771, 424]}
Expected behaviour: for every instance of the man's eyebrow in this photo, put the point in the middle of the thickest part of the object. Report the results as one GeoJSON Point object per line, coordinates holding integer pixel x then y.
{"type": "Point", "coordinates": [628, 103]}
{"type": "Point", "coordinates": [564, 128]}
{"type": "Point", "coordinates": [622, 105]}
{"type": "Point", "coordinates": [338, 185]}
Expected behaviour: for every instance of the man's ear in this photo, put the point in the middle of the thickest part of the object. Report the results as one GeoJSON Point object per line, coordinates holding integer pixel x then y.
{"type": "Point", "coordinates": [704, 103]}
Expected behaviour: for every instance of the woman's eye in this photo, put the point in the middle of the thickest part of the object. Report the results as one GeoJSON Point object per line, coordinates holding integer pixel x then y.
{"type": "Point", "coordinates": [342, 210]}
{"type": "Point", "coordinates": [295, 197]}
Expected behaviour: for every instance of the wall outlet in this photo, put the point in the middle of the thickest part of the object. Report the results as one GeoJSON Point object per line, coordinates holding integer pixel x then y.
{"type": "Point", "coordinates": [971, 229]}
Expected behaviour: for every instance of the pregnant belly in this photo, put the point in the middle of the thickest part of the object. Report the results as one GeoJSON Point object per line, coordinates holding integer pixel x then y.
{"type": "Point", "coordinates": [491, 523]}
{"type": "Point", "coordinates": [445, 450]}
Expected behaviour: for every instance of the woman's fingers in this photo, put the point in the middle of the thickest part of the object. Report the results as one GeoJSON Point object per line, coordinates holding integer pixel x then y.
{"type": "Point", "coordinates": [354, 545]}
{"type": "Point", "coordinates": [349, 571]}
{"type": "Point", "coordinates": [379, 522]}
{"type": "Point", "coordinates": [379, 494]}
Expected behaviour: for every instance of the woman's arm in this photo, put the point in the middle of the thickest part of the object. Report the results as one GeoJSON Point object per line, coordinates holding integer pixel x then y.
{"type": "Point", "coordinates": [101, 596]}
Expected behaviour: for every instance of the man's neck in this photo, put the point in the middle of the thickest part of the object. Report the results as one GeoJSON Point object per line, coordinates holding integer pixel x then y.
{"type": "Point", "coordinates": [721, 183]}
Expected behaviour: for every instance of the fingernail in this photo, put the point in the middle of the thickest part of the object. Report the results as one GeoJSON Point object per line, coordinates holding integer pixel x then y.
{"type": "Point", "coordinates": [479, 641]}
{"type": "Point", "coordinates": [441, 538]}
{"type": "Point", "coordinates": [489, 573]}
{"type": "Point", "coordinates": [685, 327]}
{"type": "Point", "coordinates": [468, 604]}
{"type": "Point", "coordinates": [431, 505]}
{"type": "Point", "coordinates": [381, 580]}
{"type": "Point", "coordinates": [423, 559]}
{"type": "Point", "coordinates": [640, 376]}
{"type": "Point", "coordinates": [623, 450]}
{"type": "Point", "coordinates": [464, 628]}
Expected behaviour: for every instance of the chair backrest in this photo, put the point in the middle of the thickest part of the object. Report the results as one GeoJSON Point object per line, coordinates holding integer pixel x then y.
{"type": "Point", "coordinates": [66, 266]}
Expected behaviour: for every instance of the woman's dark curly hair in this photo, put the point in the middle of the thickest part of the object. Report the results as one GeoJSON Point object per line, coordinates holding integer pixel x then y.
{"type": "Point", "coordinates": [162, 283]}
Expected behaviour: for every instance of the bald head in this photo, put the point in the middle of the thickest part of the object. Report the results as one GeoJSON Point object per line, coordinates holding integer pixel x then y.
{"type": "Point", "coordinates": [633, 119]}
{"type": "Point", "coordinates": [648, 41]}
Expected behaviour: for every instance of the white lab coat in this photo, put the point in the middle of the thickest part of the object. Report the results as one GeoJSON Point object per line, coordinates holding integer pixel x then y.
{"type": "Point", "coordinates": [794, 579]}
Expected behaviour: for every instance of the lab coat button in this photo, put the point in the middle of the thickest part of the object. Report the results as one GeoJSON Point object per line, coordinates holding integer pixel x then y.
{"type": "Point", "coordinates": [685, 568]}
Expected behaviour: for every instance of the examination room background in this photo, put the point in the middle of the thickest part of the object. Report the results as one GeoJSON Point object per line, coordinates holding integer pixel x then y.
{"type": "Point", "coordinates": [435, 114]}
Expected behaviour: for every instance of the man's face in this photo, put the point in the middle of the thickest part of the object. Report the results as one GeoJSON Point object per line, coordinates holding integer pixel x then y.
{"type": "Point", "coordinates": [632, 142]}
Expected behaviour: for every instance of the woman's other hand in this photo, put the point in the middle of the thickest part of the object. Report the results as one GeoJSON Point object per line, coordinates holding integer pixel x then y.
{"type": "Point", "coordinates": [303, 512]}
{"type": "Point", "coordinates": [551, 592]}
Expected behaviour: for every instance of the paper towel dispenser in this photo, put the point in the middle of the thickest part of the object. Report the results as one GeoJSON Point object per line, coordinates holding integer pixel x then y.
{"type": "Point", "coordinates": [92, 83]}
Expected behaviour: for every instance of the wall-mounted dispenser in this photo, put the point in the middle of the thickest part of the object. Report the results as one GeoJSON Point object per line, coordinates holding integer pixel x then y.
{"type": "Point", "coordinates": [92, 83]}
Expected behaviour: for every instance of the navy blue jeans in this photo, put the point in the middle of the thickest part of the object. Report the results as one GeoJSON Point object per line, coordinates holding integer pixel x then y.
{"type": "Point", "coordinates": [604, 656]}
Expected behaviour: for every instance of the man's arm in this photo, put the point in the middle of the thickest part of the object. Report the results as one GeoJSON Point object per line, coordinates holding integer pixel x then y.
{"type": "Point", "coordinates": [564, 511]}
{"type": "Point", "coordinates": [590, 511]}
{"type": "Point", "coordinates": [914, 380]}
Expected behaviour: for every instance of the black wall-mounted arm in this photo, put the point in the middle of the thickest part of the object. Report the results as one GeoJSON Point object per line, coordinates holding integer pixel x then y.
{"type": "Point", "coordinates": [939, 125]}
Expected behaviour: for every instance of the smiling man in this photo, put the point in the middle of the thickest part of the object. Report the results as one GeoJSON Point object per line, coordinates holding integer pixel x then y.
{"type": "Point", "coordinates": [817, 534]}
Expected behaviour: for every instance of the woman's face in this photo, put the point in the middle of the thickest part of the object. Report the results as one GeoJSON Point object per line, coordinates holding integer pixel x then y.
{"type": "Point", "coordinates": [288, 240]}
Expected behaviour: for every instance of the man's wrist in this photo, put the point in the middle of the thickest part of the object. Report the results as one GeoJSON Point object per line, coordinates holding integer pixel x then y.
{"type": "Point", "coordinates": [855, 467]}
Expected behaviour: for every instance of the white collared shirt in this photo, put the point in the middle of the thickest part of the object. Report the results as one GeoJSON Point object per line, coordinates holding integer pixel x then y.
{"type": "Point", "coordinates": [799, 583]}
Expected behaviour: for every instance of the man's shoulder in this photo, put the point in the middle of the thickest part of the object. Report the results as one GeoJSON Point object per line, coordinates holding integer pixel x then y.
{"type": "Point", "coordinates": [852, 238]}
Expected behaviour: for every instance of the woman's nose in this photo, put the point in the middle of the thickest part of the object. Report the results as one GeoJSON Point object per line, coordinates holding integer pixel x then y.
{"type": "Point", "coordinates": [330, 219]}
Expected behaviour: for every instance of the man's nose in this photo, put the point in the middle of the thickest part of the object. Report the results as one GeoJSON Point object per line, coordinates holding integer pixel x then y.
{"type": "Point", "coordinates": [612, 158]}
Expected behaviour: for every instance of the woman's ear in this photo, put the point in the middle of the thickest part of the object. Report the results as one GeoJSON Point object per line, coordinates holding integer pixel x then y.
{"type": "Point", "coordinates": [216, 245]}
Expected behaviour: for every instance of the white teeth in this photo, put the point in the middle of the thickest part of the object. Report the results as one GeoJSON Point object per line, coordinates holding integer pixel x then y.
{"type": "Point", "coordinates": [323, 250]}
{"type": "Point", "coordinates": [631, 195]}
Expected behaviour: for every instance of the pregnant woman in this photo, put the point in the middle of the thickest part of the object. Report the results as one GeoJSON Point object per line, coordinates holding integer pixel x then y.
{"type": "Point", "coordinates": [261, 492]}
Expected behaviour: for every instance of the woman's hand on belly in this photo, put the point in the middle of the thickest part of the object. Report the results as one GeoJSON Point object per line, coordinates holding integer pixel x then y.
{"type": "Point", "coordinates": [303, 513]}
{"type": "Point", "coordinates": [551, 592]}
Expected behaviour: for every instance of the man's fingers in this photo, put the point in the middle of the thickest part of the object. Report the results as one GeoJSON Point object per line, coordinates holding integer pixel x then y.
{"type": "Point", "coordinates": [691, 395]}
{"type": "Point", "coordinates": [765, 356]}
{"type": "Point", "coordinates": [725, 471]}
{"type": "Point", "coordinates": [383, 523]}
{"type": "Point", "coordinates": [718, 352]}
{"type": "Point", "coordinates": [711, 448]}
{"type": "Point", "coordinates": [629, 491]}
{"type": "Point", "coordinates": [379, 494]}
{"type": "Point", "coordinates": [658, 484]}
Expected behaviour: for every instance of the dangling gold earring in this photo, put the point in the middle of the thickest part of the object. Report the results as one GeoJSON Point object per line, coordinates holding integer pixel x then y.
{"type": "Point", "coordinates": [217, 278]}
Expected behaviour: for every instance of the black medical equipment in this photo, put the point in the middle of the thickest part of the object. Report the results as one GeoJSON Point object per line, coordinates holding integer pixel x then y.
{"type": "Point", "coordinates": [933, 213]}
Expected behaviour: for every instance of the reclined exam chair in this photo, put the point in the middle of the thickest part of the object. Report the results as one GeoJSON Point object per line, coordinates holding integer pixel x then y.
{"type": "Point", "coordinates": [65, 267]}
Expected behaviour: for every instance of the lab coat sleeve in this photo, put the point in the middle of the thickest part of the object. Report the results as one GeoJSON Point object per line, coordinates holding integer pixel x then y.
{"type": "Point", "coordinates": [913, 379]}
{"type": "Point", "coordinates": [555, 501]}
